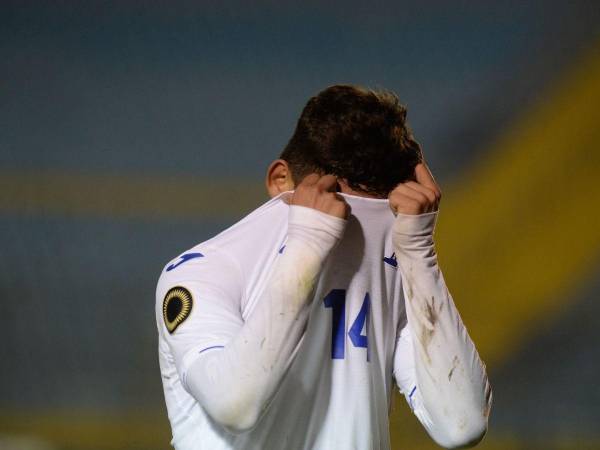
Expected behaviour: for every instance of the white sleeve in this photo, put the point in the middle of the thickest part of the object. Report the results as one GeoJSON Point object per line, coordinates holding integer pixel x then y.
{"type": "Point", "coordinates": [234, 373]}
{"type": "Point", "coordinates": [210, 286]}
{"type": "Point", "coordinates": [436, 364]}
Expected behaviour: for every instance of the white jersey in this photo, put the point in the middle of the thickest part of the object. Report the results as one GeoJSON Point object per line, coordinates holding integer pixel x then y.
{"type": "Point", "coordinates": [335, 391]}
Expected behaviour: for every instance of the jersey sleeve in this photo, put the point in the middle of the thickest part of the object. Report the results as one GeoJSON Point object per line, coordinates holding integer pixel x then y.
{"type": "Point", "coordinates": [198, 304]}
{"type": "Point", "coordinates": [436, 364]}
{"type": "Point", "coordinates": [231, 366]}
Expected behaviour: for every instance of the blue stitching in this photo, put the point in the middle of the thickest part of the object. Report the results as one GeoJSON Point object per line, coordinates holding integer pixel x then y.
{"type": "Point", "coordinates": [410, 397]}
{"type": "Point", "coordinates": [208, 348]}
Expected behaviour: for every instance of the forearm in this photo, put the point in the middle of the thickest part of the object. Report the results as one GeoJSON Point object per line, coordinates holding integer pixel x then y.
{"type": "Point", "coordinates": [235, 384]}
{"type": "Point", "coordinates": [452, 396]}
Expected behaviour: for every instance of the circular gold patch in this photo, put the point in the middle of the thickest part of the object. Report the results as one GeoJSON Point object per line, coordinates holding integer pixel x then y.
{"type": "Point", "coordinates": [177, 306]}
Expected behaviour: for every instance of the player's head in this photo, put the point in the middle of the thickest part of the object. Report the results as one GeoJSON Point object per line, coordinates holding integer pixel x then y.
{"type": "Point", "coordinates": [359, 135]}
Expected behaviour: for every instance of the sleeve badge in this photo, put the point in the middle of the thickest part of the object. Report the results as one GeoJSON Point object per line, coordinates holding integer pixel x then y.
{"type": "Point", "coordinates": [177, 307]}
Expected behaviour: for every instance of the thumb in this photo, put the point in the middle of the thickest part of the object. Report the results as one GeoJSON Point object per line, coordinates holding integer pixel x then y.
{"type": "Point", "coordinates": [424, 177]}
{"type": "Point", "coordinates": [328, 183]}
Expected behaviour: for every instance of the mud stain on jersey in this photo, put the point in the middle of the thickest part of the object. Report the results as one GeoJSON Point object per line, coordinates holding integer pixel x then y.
{"type": "Point", "coordinates": [410, 290]}
{"type": "Point", "coordinates": [426, 336]}
{"type": "Point", "coordinates": [430, 312]}
{"type": "Point", "coordinates": [409, 284]}
{"type": "Point", "coordinates": [455, 363]}
{"type": "Point", "coordinates": [431, 315]}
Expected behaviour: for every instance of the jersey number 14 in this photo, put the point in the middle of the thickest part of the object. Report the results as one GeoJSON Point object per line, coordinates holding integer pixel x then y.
{"type": "Point", "coordinates": [336, 300]}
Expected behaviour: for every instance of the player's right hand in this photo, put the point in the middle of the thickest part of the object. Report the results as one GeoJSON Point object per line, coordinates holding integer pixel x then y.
{"type": "Point", "coordinates": [319, 192]}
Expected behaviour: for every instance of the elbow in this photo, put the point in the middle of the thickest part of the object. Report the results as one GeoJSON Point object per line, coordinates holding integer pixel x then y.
{"type": "Point", "coordinates": [235, 416]}
{"type": "Point", "coordinates": [464, 434]}
{"type": "Point", "coordinates": [470, 423]}
{"type": "Point", "coordinates": [237, 423]}
{"type": "Point", "coordinates": [236, 409]}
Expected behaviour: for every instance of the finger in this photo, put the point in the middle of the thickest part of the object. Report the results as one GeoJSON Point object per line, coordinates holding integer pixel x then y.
{"type": "Point", "coordinates": [411, 193]}
{"type": "Point", "coordinates": [424, 177]}
{"type": "Point", "coordinates": [407, 204]}
{"type": "Point", "coordinates": [343, 204]}
{"type": "Point", "coordinates": [328, 183]}
{"type": "Point", "coordinates": [310, 179]}
{"type": "Point", "coordinates": [429, 193]}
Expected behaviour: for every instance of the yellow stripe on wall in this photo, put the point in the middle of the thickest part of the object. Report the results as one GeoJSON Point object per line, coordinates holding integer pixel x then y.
{"type": "Point", "coordinates": [135, 430]}
{"type": "Point", "coordinates": [184, 197]}
{"type": "Point", "coordinates": [522, 228]}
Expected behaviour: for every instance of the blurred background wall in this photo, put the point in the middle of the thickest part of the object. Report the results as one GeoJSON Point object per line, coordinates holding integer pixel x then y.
{"type": "Point", "coordinates": [130, 131]}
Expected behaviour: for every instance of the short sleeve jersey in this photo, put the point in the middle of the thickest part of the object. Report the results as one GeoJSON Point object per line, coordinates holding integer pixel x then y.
{"type": "Point", "coordinates": [336, 393]}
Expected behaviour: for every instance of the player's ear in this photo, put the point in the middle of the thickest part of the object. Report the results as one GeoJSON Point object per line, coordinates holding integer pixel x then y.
{"type": "Point", "coordinates": [279, 178]}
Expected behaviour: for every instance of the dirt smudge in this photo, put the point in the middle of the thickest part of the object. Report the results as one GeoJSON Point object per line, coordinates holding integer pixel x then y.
{"type": "Point", "coordinates": [430, 312]}
{"type": "Point", "coordinates": [428, 328]}
{"type": "Point", "coordinates": [426, 336]}
{"type": "Point", "coordinates": [455, 363]}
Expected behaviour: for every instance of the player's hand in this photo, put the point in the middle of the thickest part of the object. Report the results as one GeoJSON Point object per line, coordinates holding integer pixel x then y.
{"type": "Point", "coordinates": [416, 197]}
{"type": "Point", "coordinates": [319, 192]}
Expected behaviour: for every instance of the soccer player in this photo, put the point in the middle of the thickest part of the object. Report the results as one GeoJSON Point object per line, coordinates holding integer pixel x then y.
{"type": "Point", "coordinates": [288, 329]}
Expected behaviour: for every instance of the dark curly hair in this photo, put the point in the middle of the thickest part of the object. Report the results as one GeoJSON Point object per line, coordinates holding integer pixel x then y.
{"type": "Point", "coordinates": [357, 134]}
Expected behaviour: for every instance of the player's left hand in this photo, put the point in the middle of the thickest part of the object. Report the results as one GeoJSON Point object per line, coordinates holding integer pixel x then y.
{"type": "Point", "coordinates": [416, 197]}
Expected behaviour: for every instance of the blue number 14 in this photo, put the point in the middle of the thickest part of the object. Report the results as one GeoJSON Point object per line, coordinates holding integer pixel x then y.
{"type": "Point", "coordinates": [336, 300]}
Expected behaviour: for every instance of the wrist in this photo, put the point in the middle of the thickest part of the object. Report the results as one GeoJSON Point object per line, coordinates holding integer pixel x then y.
{"type": "Point", "coordinates": [413, 232]}
{"type": "Point", "coordinates": [314, 228]}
